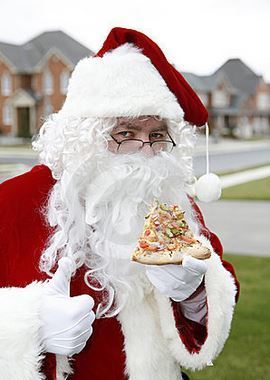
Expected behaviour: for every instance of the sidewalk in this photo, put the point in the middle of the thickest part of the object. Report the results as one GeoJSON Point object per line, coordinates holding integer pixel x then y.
{"type": "Point", "coordinates": [12, 170]}
{"type": "Point", "coordinates": [244, 176]}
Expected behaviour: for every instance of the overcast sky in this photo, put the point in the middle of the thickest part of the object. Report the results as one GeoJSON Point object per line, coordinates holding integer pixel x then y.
{"type": "Point", "coordinates": [195, 35]}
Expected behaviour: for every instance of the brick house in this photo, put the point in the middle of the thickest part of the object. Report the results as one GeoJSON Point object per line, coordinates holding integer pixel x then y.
{"type": "Point", "coordinates": [33, 80]}
{"type": "Point", "coordinates": [238, 100]}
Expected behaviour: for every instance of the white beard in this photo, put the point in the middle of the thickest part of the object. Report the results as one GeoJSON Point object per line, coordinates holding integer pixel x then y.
{"type": "Point", "coordinates": [121, 190]}
{"type": "Point", "coordinates": [99, 207]}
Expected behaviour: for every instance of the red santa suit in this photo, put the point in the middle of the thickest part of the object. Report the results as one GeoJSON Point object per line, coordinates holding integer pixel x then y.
{"type": "Point", "coordinates": [23, 235]}
{"type": "Point", "coordinates": [152, 328]}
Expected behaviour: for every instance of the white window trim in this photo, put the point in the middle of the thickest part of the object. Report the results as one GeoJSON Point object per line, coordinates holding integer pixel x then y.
{"type": "Point", "coordinates": [64, 80]}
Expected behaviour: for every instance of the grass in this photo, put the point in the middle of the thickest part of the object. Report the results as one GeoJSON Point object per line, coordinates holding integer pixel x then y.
{"type": "Point", "coordinates": [19, 146]}
{"type": "Point", "coordinates": [253, 190]}
{"type": "Point", "coordinates": [247, 351]}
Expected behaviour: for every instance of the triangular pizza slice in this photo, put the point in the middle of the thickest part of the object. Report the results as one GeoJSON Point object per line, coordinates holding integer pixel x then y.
{"type": "Point", "coordinates": [166, 237]}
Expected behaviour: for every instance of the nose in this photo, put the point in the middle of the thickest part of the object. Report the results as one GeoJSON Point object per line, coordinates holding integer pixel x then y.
{"type": "Point", "coordinates": [147, 150]}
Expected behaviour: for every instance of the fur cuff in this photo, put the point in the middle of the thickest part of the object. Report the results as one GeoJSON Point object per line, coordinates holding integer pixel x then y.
{"type": "Point", "coordinates": [20, 344]}
{"type": "Point", "coordinates": [221, 290]}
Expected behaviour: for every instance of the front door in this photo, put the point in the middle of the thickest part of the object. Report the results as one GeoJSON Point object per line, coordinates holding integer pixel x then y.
{"type": "Point", "coordinates": [23, 117]}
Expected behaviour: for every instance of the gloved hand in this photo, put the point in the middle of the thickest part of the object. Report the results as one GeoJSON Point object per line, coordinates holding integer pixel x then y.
{"type": "Point", "coordinates": [178, 281]}
{"type": "Point", "coordinates": [67, 321]}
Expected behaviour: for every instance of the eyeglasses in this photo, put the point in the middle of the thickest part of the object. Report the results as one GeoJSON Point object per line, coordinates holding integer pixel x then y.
{"type": "Point", "coordinates": [134, 145]}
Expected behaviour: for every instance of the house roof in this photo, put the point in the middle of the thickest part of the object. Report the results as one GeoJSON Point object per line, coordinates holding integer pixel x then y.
{"type": "Point", "coordinates": [24, 58]}
{"type": "Point", "coordinates": [236, 74]}
{"type": "Point", "coordinates": [200, 83]}
{"type": "Point", "coordinates": [240, 75]}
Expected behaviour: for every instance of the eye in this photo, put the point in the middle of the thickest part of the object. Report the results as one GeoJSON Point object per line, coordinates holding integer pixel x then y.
{"type": "Point", "coordinates": [157, 136]}
{"type": "Point", "coordinates": [124, 134]}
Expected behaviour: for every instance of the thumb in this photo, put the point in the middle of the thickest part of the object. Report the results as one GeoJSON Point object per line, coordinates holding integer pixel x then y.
{"type": "Point", "coordinates": [60, 282]}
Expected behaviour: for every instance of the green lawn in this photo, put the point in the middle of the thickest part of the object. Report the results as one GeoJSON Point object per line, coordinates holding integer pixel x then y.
{"type": "Point", "coordinates": [253, 190]}
{"type": "Point", "coordinates": [246, 355]}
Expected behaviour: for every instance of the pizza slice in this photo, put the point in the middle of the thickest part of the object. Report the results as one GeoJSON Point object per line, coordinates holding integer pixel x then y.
{"type": "Point", "coordinates": [166, 237]}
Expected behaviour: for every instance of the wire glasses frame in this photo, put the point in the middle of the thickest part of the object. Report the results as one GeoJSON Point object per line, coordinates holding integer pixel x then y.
{"type": "Point", "coordinates": [156, 145]}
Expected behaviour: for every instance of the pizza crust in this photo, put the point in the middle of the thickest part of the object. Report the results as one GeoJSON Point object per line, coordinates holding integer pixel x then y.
{"type": "Point", "coordinates": [171, 257]}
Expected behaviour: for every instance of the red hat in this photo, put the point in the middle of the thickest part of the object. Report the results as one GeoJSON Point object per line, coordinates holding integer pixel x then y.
{"type": "Point", "coordinates": [194, 111]}
{"type": "Point", "coordinates": [130, 76]}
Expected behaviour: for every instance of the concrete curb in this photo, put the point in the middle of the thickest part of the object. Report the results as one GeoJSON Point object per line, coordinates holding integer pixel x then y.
{"type": "Point", "coordinates": [244, 176]}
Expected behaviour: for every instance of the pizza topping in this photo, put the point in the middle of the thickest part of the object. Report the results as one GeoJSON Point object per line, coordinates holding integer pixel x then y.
{"type": "Point", "coordinates": [165, 227]}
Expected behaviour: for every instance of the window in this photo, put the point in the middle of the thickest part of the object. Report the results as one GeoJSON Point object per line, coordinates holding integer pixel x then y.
{"type": "Point", "coordinates": [263, 101]}
{"type": "Point", "coordinates": [220, 99]}
{"type": "Point", "coordinates": [48, 109]}
{"type": "Point", "coordinates": [64, 79]}
{"type": "Point", "coordinates": [204, 98]}
{"type": "Point", "coordinates": [6, 84]}
{"type": "Point", "coordinates": [7, 114]}
{"type": "Point", "coordinates": [47, 83]}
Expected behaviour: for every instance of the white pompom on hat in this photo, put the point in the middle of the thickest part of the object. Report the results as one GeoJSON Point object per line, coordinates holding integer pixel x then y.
{"type": "Point", "coordinates": [208, 187]}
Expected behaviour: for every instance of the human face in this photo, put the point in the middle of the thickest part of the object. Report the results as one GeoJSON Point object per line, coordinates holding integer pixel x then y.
{"type": "Point", "coordinates": [142, 128]}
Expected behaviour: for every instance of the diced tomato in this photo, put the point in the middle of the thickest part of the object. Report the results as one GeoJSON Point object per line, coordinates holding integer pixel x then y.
{"type": "Point", "coordinates": [147, 232]}
{"type": "Point", "coordinates": [187, 239]}
{"type": "Point", "coordinates": [143, 245]}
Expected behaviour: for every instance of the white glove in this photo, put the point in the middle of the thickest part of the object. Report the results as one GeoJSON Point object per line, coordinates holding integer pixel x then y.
{"type": "Point", "coordinates": [178, 281]}
{"type": "Point", "coordinates": [67, 321]}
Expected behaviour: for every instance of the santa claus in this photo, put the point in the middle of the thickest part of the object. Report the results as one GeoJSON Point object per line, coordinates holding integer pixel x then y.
{"type": "Point", "coordinates": [73, 304]}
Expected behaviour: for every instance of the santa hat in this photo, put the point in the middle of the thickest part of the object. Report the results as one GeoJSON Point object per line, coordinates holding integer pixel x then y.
{"type": "Point", "coordinates": [130, 76]}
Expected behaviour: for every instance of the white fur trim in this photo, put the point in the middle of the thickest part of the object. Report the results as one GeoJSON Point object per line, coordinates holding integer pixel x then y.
{"type": "Point", "coordinates": [123, 82]}
{"type": "Point", "coordinates": [147, 355]}
{"type": "Point", "coordinates": [63, 367]}
{"type": "Point", "coordinates": [20, 344]}
{"type": "Point", "coordinates": [221, 290]}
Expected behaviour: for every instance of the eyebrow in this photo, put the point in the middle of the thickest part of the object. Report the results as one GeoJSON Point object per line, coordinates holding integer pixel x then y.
{"type": "Point", "coordinates": [138, 128]}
